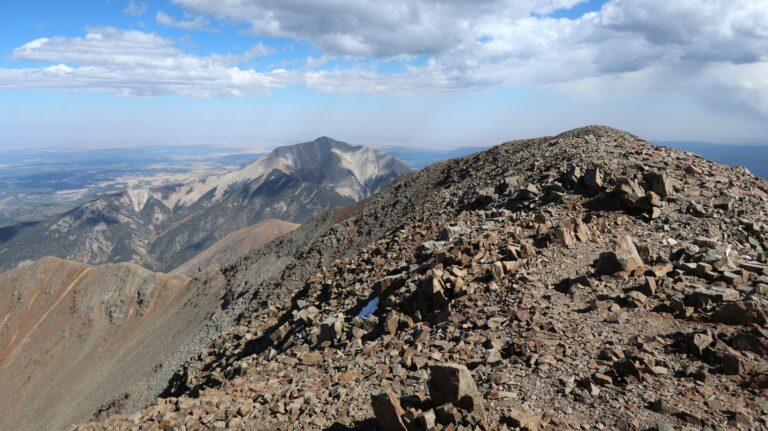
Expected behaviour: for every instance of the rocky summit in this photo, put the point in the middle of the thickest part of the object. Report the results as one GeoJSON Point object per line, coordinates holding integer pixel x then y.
{"type": "Point", "coordinates": [589, 280]}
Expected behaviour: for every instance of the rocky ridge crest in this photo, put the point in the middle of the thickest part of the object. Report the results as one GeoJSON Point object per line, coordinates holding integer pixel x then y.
{"type": "Point", "coordinates": [587, 280]}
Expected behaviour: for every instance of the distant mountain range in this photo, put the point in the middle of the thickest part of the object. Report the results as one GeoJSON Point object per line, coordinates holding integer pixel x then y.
{"type": "Point", "coordinates": [754, 157]}
{"type": "Point", "coordinates": [161, 228]}
{"type": "Point", "coordinates": [39, 183]}
{"type": "Point", "coordinates": [36, 184]}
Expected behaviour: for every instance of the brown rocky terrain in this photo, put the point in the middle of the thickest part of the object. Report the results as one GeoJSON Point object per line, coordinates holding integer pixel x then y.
{"type": "Point", "coordinates": [585, 281]}
{"type": "Point", "coordinates": [78, 341]}
{"type": "Point", "coordinates": [236, 244]}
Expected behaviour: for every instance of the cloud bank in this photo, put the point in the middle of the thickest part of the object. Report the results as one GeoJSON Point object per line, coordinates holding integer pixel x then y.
{"type": "Point", "coordinates": [704, 49]}
{"type": "Point", "coordinates": [137, 64]}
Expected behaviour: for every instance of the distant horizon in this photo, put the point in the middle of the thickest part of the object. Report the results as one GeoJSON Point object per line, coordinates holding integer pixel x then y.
{"type": "Point", "coordinates": [254, 146]}
{"type": "Point", "coordinates": [734, 154]}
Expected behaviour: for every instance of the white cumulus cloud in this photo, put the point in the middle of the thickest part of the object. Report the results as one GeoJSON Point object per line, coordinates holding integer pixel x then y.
{"type": "Point", "coordinates": [693, 48]}
{"type": "Point", "coordinates": [711, 51]}
{"type": "Point", "coordinates": [381, 28]}
{"type": "Point", "coordinates": [134, 63]}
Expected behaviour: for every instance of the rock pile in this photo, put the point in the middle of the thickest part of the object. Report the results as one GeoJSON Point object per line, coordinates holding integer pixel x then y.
{"type": "Point", "coordinates": [590, 280]}
{"type": "Point", "coordinates": [455, 403]}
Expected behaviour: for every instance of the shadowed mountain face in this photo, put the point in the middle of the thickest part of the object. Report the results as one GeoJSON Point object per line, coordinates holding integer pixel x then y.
{"type": "Point", "coordinates": [236, 244]}
{"type": "Point", "coordinates": [163, 228]}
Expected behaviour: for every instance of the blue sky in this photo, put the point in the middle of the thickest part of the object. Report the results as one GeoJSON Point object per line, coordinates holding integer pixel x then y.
{"type": "Point", "coordinates": [432, 73]}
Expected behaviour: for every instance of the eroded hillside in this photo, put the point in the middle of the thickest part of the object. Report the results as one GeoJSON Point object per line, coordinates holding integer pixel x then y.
{"type": "Point", "coordinates": [236, 244]}
{"type": "Point", "coordinates": [78, 341]}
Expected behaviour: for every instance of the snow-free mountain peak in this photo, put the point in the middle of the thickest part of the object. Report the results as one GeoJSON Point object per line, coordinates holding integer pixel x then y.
{"type": "Point", "coordinates": [609, 270]}
{"type": "Point", "coordinates": [352, 171]}
{"type": "Point", "coordinates": [163, 227]}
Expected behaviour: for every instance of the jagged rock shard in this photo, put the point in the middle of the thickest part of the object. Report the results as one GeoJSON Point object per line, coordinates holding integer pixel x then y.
{"type": "Point", "coordinates": [450, 232]}
{"type": "Point", "coordinates": [388, 411]}
{"type": "Point", "coordinates": [426, 420]}
{"type": "Point", "coordinates": [659, 183]}
{"type": "Point", "coordinates": [573, 175]}
{"type": "Point", "coordinates": [630, 193]}
{"type": "Point", "coordinates": [453, 383]}
{"type": "Point", "coordinates": [525, 419]}
{"type": "Point", "coordinates": [571, 231]}
{"type": "Point", "coordinates": [331, 329]}
{"type": "Point", "coordinates": [724, 203]}
{"type": "Point", "coordinates": [593, 179]}
{"type": "Point", "coordinates": [697, 342]}
{"type": "Point", "coordinates": [624, 259]}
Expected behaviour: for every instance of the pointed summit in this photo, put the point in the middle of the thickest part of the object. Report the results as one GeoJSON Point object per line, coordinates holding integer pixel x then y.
{"type": "Point", "coordinates": [329, 141]}
{"type": "Point", "coordinates": [352, 171]}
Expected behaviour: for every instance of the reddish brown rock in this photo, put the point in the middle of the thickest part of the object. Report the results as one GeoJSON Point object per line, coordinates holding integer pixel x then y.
{"type": "Point", "coordinates": [593, 179]}
{"type": "Point", "coordinates": [525, 419]}
{"type": "Point", "coordinates": [659, 183]}
{"type": "Point", "coordinates": [453, 383]}
{"type": "Point", "coordinates": [388, 411]}
{"type": "Point", "coordinates": [740, 313]}
{"type": "Point", "coordinates": [624, 259]}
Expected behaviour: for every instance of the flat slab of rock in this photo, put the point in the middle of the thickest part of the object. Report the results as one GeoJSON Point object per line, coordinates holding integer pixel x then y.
{"type": "Point", "coordinates": [705, 294]}
{"type": "Point", "coordinates": [525, 419]}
